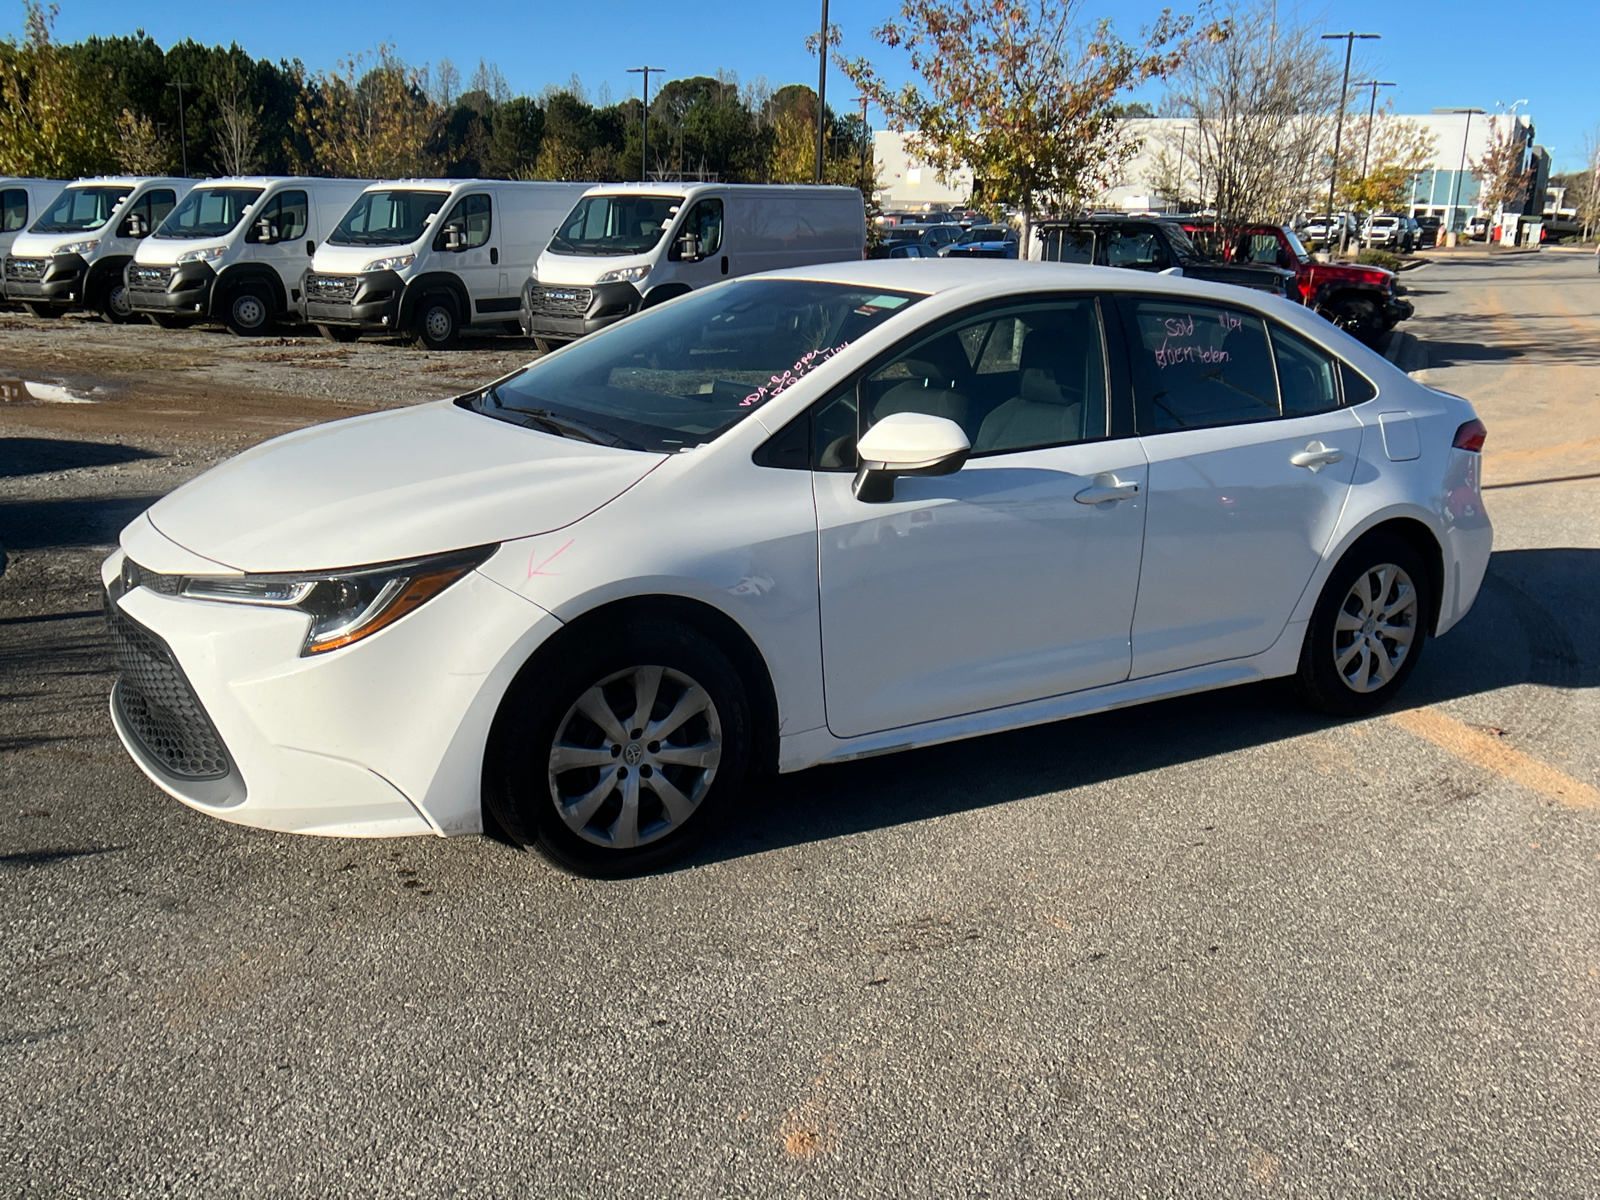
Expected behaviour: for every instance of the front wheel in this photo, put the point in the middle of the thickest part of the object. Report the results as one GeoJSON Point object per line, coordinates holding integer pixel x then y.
{"type": "Point", "coordinates": [46, 312]}
{"type": "Point", "coordinates": [113, 304]}
{"type": "Point", "coordinates": [1367, 630]}
{"type": "Point", "coordinates": [1359, 317]}
{"type": "Point", "coordinates": [339, 333]}
{"type": "Point", "coordinates": [623, 752]}
{"type": "Point", "coordinates": [250, 309]}
{"type": "Point", "coordinates": [436, 323]}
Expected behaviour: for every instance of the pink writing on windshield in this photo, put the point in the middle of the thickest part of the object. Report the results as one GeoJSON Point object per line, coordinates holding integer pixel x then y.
{"type": "Point", "coordinates": [1170, 356]}
{"type": "Point", "coordinates": [808, 362]}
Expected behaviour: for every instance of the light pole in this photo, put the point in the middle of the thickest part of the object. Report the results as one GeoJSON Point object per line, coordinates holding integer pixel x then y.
{"type": "Point", "coordinates": [1338, 129]}
{"type": "Point", "coordinates": [1455, 193]}
{"type": "Point", "coordinates": [183, 137]}
{"type": "Point", "coordinates": [866, 142]}
{"type": "Point", "coordinates": [1372, 114]}
{"type": "Point", "coordinates": [822, 86]}
{"type": "Point", "coordinates": [644, 150]}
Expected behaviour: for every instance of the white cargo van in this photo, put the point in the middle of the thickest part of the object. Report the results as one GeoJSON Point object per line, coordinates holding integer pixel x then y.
{"type": "Point", "coordinates": [72, 256]}
{"type": "Point", "coordinates": [629, 246]}
{"type": "Point", "coordinates": [236, 249]}
{"type": "Point", "coordinates": [424, 257]}
{"type": "Point", "coordinates": [21, 200]}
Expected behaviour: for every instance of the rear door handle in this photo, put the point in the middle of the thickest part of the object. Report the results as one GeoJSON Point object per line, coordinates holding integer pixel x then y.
{"type": "Point", "coordinates": [1107, 489]}
{"type": "Point", "coordinates": [1316, 456]}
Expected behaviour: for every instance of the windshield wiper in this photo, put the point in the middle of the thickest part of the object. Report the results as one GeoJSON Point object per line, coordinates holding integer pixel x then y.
{"type": "Point", "coordinates": [562, 426]}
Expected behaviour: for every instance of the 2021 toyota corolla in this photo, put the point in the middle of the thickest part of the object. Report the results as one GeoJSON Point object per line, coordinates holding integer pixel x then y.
{"type": "Point", "coordinates": [792, 519]}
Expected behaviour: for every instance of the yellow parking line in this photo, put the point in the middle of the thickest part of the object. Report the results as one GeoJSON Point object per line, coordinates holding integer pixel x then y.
{"type": "Point", "coordinates": [1492, 754]}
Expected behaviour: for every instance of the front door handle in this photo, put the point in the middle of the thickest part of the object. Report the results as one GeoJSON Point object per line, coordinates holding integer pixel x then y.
{"type": "Point", "coordinates": [1107, 489]}
{"type": "Point", "coordinates": [1316, 456]}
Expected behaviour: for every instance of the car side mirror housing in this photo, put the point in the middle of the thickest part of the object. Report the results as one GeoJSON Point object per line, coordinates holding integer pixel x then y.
{"type": "Point", "coordinates": [455, 238]}
{"type": "Point", "coordinates": [266, 232]}
{"type": "Point", "coordinates": [907, 443]}
{"type": "Point", "coordinates": [689, 247]}
{"type": "Point", "coordinates": [135, 226]}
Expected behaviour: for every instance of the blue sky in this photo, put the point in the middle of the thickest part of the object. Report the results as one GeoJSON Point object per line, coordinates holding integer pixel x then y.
{"type": "Point", "coordinates": [1443, 54]}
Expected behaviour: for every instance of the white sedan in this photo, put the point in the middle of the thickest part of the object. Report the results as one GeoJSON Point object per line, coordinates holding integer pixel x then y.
{"type": "Point", "coordinates": [793, 519]}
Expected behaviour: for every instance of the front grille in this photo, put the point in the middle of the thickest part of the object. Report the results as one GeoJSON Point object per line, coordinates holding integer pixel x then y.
{"type": "Point", "coordinates": [331, 289]}
{"type": "Point", "coordinates": [556, 301]}
{"type": "Point", "coordinates": [149, 279]}
{"type": "Point", "coordinates": [159, 707]}
{"type": "Point", "coordinates": [26, 270]}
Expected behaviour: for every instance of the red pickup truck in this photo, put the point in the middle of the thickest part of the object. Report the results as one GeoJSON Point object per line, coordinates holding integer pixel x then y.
{"type": "Point", "coordinates": [1360, 300]}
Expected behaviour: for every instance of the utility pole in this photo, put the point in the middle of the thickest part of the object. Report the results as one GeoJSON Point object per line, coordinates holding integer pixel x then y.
{"type": "Point", "coordinates": [1455, 194]}
{"type": "Point", "coordinates": [644, 145]}
{"type": "Point", "coordinates": [183, 136]}
{"type": "Point", "coordinates": [822, 87]}
{"type": "Point", "coordinates": [1338, 129]}
{"type": "Point", "coordinates": [1372, 113]}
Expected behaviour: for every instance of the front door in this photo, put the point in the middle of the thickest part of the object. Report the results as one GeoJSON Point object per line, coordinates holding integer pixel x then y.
{"type": "Point", "coordinates": [1251, 459]}
{"type": "Point", "coordinates": [279, 229]}
{"type": "Point", "coordinates": [706, 219]}
{"type": "Point", "coordinates": [1010, 580]}
{"type": "Point", "coordinates": [470, 242]}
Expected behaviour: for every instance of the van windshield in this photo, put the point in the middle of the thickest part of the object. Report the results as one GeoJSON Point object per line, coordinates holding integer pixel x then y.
{"type": "Point", "coordinates": [395, 217]}
{"type": "Point", "coordinates": [686, 372]}
{"type": "Point", "coordinates": [79, 209]}
{"type": "Point", "coordinates": [615, 224]}
{"type": "Point", "coordinates": [208, 212]}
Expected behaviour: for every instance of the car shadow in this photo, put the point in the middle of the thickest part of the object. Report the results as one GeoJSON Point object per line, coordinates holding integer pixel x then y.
{"type": "Point", "coordinates": [1533, 622]}
{"type": "Point", "coordinates": [1478, 338]}
{"type": "Point", "coordinates": [38, 456]}
{"type": "Point", "coordinates": [82, 521]}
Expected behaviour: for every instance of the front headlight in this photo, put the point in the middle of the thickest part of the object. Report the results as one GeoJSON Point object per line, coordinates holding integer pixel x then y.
{"type": "Point", "coordinates": [88, 247]}
{"type": "Point", "coordinates": [393, 263]}
{"type": "Point", "coordinates": [206, 254]}
{"type": "Point", "coordinates": [346, 605]}
{"type": "Point", "coordinates": [624, 275]}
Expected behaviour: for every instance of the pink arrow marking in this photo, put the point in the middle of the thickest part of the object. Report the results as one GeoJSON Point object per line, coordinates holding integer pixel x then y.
{"type": "Point", "coordinates": [540, 569]}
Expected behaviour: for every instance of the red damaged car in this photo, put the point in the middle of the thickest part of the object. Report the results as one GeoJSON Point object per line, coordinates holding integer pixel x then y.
{"type": "Point", "coordinates": [1361, 300]}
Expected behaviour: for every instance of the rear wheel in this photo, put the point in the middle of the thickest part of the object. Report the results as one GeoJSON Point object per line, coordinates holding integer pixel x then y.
{"type": "Point", "coordinates": [250, 309]}
{"type": "Point", "coordinates": [1357, 316]}
{"type": "Point", "coordinates": [623, 752]}
{"type": "Point", "coordinates": [436, 322]}
{"type": "Point", "coordinates": [1368, 629]}
{"type": "Point", "coordinates": [339, 333]}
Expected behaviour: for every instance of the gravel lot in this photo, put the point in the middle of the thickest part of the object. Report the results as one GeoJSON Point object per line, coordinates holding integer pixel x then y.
{"type": "Point", "coordinates": [1211, 947]}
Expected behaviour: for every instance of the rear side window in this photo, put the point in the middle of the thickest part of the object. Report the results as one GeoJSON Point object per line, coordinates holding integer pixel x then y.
{"type": "Point", "coordinates": [470, 220]}
{"type": "Point", "coordinates": [1358, 388]}
{"type": "Point", "coordinates": [1068, 245]}
{"type": "Point", "coordinates": [1199, 365]}
{"type": "Point", "coordinates": [1141, 249]}
{"type": "Point", "coordinates": [13, 210]}
{"type": "Point", "coordinates": [1306, 376]}
{"type": "Point", "coordinates": [1260, 248]}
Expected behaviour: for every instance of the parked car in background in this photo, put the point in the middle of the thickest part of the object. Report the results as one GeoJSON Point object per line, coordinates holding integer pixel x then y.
{"type": "Point", "coordinates": [908, 247]}
{"type": "Point", "coordinates": [985, 241]}
{"type": "Point", "coordinates": [237, 249]}
{"type": "Point", "coordinates": [1323, 231]}
{"type": "Point", "coordinates": [1413, 234]}
{"type": "Point", "coordinates": [1361, 300]}
{"type": "Point", "coordinates": [1429, 229]}
{"type": "Point", "coordinates": [933, 237]}
{"type": "Point", "coordinates": [1149, 244]}
{"type": "Point", "coordinates": [987, 233]}
{"type": "Point", "coordinates": [582, 603]}
{"type": "Point", "coordinates": [426, 258]}
{"type": "Point", "coordinates": [73, 254]}
{"type": "Point", "coordinates": [1386, 230]}
{"type": "Point", "coordinates": [22, 200]}
{"type": "Point", "coordinates": [631, 246]}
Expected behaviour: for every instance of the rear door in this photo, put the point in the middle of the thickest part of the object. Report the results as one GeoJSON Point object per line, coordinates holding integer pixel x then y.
{"type": "Point", "coordinates": [1251, 460]}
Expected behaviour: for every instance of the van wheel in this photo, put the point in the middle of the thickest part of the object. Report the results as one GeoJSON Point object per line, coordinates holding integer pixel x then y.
{"type": "Point", "coordinates": [250, 309]}
{"type": "Point", "coordinates": [511, 328]}
{"type": "Point", "coordinates": [1367, 630]}
{"type": "Point", "coordinates": [112, 302]}
{"type": "Point", "coordinates": [339, 333]}
{"type": "Point", "coordinates": [46, 312]}
{"type": "Point", "coordinates": [622, 752]}
{"type": "Point", "coordinates": [436, 322]}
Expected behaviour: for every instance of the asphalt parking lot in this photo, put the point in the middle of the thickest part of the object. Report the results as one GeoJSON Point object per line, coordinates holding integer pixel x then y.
{"type": "Point", "coordinates": [1216, 946]}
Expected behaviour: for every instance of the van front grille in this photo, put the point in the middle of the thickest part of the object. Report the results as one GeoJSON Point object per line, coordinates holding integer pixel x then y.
{"type": "Point", "coordinates": [149, 279]}
{"type": "Point", "coordinates": [331, 289]}
{"type": "Point", "coordinates": [26, 270]}
{"type": "Point", "coordinates": [556, 301]}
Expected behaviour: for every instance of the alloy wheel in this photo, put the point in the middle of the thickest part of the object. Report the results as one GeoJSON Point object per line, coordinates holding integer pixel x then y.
{"type": "Point", "coordinates": [634, 756]}
{"type": "Point", "coordinates": [1375, 628]}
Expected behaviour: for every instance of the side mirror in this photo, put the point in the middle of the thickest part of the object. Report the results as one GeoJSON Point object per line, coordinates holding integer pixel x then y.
{"type": "Point", "coordinates": [689, 246]}
{"type": "Point", "coordinates": [907, 444]}
{"type": "Point", "coordinates": [455, 238]}
{"type": "Point", "coordinates": [135, 226]}
{"type": "Point", "coordinates": [266, 231]}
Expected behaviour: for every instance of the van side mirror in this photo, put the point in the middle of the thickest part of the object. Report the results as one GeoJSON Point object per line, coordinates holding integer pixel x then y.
{"type": "Point", "coordinates": [907, 443]}
{"type": "Point", "coordinates": [689, 247]}
{"type": "Point", "coordinates": [135, 226]}
{"type": "Point", "coordinates": [266, 231]}
{"type": "Point", "coordinates": [455, 238]}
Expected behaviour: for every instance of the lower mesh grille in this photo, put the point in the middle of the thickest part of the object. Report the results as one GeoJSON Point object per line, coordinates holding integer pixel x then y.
{"type": "Point", "coordinates": [26, 270]}
{"type": "Point", "coordinates": [331, 289]}
{"type": "Point", "coordinates": [159, 707]}
{"type": "Point", "coordinates": [559, 301]}
{"type": "Point", "coordinates": [149, 279]}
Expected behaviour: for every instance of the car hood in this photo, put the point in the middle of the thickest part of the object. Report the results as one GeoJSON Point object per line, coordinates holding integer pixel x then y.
{"type": "Point", "coordinates": [165, 252]}
{"type": "Point", "coordinates": [43, 245]}
{"type": "Point", "coordinates": [389, 486]}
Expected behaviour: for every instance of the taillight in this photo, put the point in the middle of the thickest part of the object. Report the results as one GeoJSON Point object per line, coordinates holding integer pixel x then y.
{"type": "Point", "coordinates": [1471, 436]}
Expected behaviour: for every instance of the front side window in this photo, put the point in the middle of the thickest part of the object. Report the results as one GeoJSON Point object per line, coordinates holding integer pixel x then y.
{"type": "Point", "coordinates": [1198, 365]}
{"type": "Point", "coordinates": [705, 222]}
{"type": "Point", "coordinates": [208, 212]}
{"type": "Point", "coordinates": [469, 221]}
{"type": "Point", "coordinates": [78, 210]}
{"type": "Point", "coordinates": [281, 219]}
{"type": "Point", "coordinates": [684, 373]}
{"type": "Point", "coordinates": [13, 210]}
{"type": "Point", "coordinates": [388, 217]}
{"type": "Point", "coordinates": [611, 225]}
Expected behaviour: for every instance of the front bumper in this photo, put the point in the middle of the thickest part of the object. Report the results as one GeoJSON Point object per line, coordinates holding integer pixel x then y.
{"type": "Point", "coordinates": [183, 289]}
{"type": "Point", "coordinates": [558, 311]}
{"type": "Point", "coordinates": [382, 738]}
{"type": "Point", "coordinates": [369, 301]}
{"type": "Point", "coordinates": [55, 279]}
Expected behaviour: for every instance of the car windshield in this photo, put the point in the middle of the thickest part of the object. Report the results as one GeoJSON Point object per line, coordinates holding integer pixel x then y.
{"type": "Point", "coordinates": [394, 217]}
{"type": "Point", "coordinates": [615, 224]}
{"type": "Point", "coordinates": [79, 209]}
{"type": "Point", "coordinates": [208, 212]}
{"type": "Point", "coordinates": [682, 374]}
{"type": "Point", "coordinates": [1180, 242]}
{"type": "Point", "coordinates": [983, 233]}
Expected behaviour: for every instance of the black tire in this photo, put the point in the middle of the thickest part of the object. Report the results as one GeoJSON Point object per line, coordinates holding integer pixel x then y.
{"type": "Point", "coordinates": [436, 323]}
{"type": "Point", "coordinates": [168, 321]}
{"type": "Point", "coordinates": [339, 333]}
{"type": "Point", "coordinates": [250, 309]}
{"type": "Point", "coordinates": [522, 796]}
{"type": "Point", "coordinates": [1324, 682]}
{"type": "Point", "coordinates": [511, 328]}
{"type": "Point", "coordinates": [1359, 317]}
{"type": "Point", "coordinates": [45, 312]}
{"type": "Point", "coordinates": [111, 302]}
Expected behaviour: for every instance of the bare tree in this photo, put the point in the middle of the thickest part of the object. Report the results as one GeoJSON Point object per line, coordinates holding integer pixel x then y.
{"type": "Point", "coordinates": [1261, 104]}
{"type": "Point", "coordinates": [1501, 171]}
{"type": "Point", "coordinates": [443, 85]}
{"type": "Point", "coordinates": [1587, 192]}
{"type": "Point", "coordinates": [238, 130]}
{"type": "Point", "coordinates": [488, 80]}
